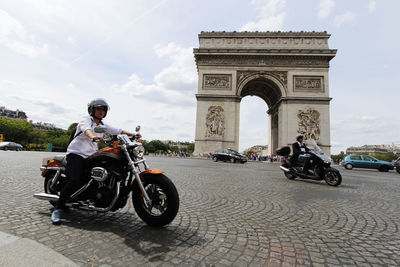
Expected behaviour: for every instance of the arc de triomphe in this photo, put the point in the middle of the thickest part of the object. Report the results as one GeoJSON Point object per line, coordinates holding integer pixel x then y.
{"type": "Point", "coordinates": [288, 70]}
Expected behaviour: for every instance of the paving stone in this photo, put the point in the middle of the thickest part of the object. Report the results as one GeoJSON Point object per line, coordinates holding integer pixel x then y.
{"type": "Point", "coordinates": [230, 215]}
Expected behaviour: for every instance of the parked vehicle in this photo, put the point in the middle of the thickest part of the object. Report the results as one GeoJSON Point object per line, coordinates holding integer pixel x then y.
{"type": "Point", "coordinates": [319, 165]}
{"type": "Point", "coordinates": [366, 161]}
{"type": "Point", "coordinates": [228, 155]}
{"type": "Point", "coordinates": [396, 164]}
{"type": "Point", "coordinates": [10, 146]}
{"type": "Point", "coordinates": [113, 173]}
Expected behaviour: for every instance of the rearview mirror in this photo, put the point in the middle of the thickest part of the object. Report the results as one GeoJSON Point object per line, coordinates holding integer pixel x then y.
{"type": "Point", "coordinates": [100, 129]}
{"type": "Point", "coordinates": [137, 128]}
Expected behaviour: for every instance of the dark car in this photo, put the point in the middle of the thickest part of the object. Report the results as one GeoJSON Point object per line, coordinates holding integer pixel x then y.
{"type": "Point", "coordinates": [396, 164]}
{"type": "Point", "coordinates": [366, 161]}
{"type": "Point", "coordinates": [10, 146]}
{"type": "Point", "coordinates": [229, 155]}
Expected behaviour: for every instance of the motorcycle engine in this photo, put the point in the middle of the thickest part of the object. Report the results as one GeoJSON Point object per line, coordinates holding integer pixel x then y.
{"type": "Point", "coordinates": [104, 195]}
{"type": "Point", "coordinates": [99, 174]}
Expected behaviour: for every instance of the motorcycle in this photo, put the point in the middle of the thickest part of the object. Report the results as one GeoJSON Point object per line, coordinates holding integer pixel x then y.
{"type": "Point", "coordinates": [112, 174]}
{"type": "Point", "coordinates": [319, 165]}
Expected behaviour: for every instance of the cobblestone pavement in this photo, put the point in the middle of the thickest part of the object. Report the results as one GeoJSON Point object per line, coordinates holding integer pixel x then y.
{"type": "Point", "coordinates": [230, 215]}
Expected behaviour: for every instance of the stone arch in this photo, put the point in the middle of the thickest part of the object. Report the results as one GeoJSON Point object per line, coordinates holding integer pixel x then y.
{"type": "Point", "coordinates": [288, 70]}
{"type": "Point", "coordinates": [260, 75]}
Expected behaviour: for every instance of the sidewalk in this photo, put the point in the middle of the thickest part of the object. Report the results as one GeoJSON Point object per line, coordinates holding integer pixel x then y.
{"type": "Point", "coordinates": [17, 251]}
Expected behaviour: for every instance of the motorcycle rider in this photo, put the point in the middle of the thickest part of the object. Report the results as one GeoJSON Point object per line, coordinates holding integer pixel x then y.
{"type": "Point", "coordinates": [299, 148]}
{"type": "Point", "coordinates": [80, 148]}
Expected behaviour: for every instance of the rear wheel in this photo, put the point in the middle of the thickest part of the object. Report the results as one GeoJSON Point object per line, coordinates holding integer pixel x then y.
{"type": "Point", "coordinates": [348, 166]}
{"type": "Point", "coordinates": [333, 177]}
{"type": "Point", "coordinates": [384, 168]}
{"type": "Point", "coordinates": [290, 175]}
{"type": "Point", "coordinates": [215, 159]}
{"type": "Point", "coordinates": [398, 169]}
{"type": "Point", "coordinates": [164, 197]}
{"type": "Point", "coordinates": [47, 186]}
{"type": "Point", "coordinates": [232, 160]}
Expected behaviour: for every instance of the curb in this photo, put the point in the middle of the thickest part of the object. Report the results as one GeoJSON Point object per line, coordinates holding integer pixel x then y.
{"type": "Point", "coordinates": [18, 251]}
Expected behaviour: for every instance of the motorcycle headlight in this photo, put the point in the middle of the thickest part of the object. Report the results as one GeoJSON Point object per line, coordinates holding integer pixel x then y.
{"type": "Point", "coordinates": [139, 151]}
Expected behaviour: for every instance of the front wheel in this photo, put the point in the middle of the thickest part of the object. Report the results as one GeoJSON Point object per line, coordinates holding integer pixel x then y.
{"type": "Point", "coordinates": [398, 169]}
{"type": "Point", "coordinates": [164, 198]}
{"type": "Point", "coordinates": [348, 166]}
{"type": "Point", "coordinates": [215, 159]}
{"type": "Point", "coordinates": [333, 177]}
{"type": "Point", "coordinates": [232, 160]}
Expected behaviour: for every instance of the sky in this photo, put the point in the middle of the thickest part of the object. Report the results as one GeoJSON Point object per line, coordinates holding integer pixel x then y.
{"type": "Point", "coordinates": [138, 55]}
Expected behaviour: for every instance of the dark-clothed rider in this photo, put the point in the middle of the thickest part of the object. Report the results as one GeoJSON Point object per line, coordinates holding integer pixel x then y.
{"type": "Point", "coordinates": [300, 148]}
{"type": "Point", "coordinates": [80, 148]}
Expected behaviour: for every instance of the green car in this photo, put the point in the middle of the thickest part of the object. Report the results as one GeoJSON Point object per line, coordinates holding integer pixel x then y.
{"type": "Point", "coordinates": [366, 161]}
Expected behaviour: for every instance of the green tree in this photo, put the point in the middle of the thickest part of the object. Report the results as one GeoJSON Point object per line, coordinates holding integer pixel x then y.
{"type": "Point", "coordinates": [339, 156]}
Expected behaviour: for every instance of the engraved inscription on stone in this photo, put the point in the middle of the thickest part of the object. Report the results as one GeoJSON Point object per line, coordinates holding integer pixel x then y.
{"type": "Point", "coordinates": [215, 122]}
{"type": "Point", "coordinates": [257, 61]}
{"type": "Point", "coordinates": [214, 81]}
{"type": "Point", "coordinates": [309, 123]}
{"type": "Point", "coordinates": [308, 83]}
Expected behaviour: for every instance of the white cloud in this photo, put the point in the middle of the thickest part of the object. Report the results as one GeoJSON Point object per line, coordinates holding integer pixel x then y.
{"type": "Point", "coordinates": [174, 84]}
{"type": "Point", "coordinates": [372, 6]}
{"type": "Point", "coordinates": [345, 18]}
{"type": "Point", "coordinates": [325, 8]}
{"type": "Point", "coordinates": [166, 107]}
{"type": "Point", "coordinates": [14, 36]}
{"type": "Point", "coordinates": [271, 16]}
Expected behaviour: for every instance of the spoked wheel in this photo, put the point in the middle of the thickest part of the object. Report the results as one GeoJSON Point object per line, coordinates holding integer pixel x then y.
{"type": "Point", "coordinates": [164, 200]}
{"type": "Point", "coordinates": [333, 177]}
{"type": "Point", "coordinates": [290, 175]}
{"type": "Point", "coordinates": [47, 186]}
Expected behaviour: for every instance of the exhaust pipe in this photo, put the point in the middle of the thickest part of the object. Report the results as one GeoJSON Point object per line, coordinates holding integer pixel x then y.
{"type": "Point", "coordinates": [284, 169]}
{"type": "Point", "coordinates": [45, 196]}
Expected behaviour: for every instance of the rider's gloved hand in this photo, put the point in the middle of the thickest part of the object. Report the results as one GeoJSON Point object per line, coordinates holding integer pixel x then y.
{"type": "Point", "coordinates": [97, 138]}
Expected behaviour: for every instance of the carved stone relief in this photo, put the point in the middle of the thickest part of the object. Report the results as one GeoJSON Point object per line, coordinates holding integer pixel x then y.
{"type": "Point", "coordinates": [279, 75]}
{"type": "Point", "coordinates": [215, 122]}
{"type": "Point", "coordinates": [217, 81]}
{"type": "Point", "coordinates": [308, 83]}
{"type": "Point", "coordinates": [309, 123]}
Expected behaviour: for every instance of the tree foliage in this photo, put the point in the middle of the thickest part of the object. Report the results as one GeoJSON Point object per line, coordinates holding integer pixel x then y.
{"type": "Point", "coordinates": [24, 133]}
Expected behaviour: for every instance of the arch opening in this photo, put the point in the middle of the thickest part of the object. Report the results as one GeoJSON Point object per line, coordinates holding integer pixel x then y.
{"type": "Point", "coordinates": [270, 93]}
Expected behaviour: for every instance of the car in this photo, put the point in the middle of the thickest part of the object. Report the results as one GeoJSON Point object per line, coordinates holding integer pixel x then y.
{"type": "Point", "coordinates": [366, 161]}
{"type": "Point", "coordinates": [10, 146]}
{"type": "Point", "coordinates": [396, 164]}
{"type": "Point", "coordinates": [228, 155]}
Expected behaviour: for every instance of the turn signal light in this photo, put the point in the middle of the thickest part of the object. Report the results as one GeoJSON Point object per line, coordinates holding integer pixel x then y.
{"type": "Point", "coordinates": [115, 144]}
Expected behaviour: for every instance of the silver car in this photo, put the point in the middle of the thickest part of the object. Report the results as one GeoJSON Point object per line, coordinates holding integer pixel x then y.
{"type": "Point", "coordinates": [10, 146]}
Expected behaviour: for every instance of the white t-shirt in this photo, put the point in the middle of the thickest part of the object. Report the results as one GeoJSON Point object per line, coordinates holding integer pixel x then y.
{"type": "Point", "coordinates": [82, 145]}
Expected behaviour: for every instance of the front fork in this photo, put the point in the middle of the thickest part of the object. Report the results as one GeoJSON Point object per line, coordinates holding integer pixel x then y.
{"type": "Point", "coordinates": [136, 172]}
